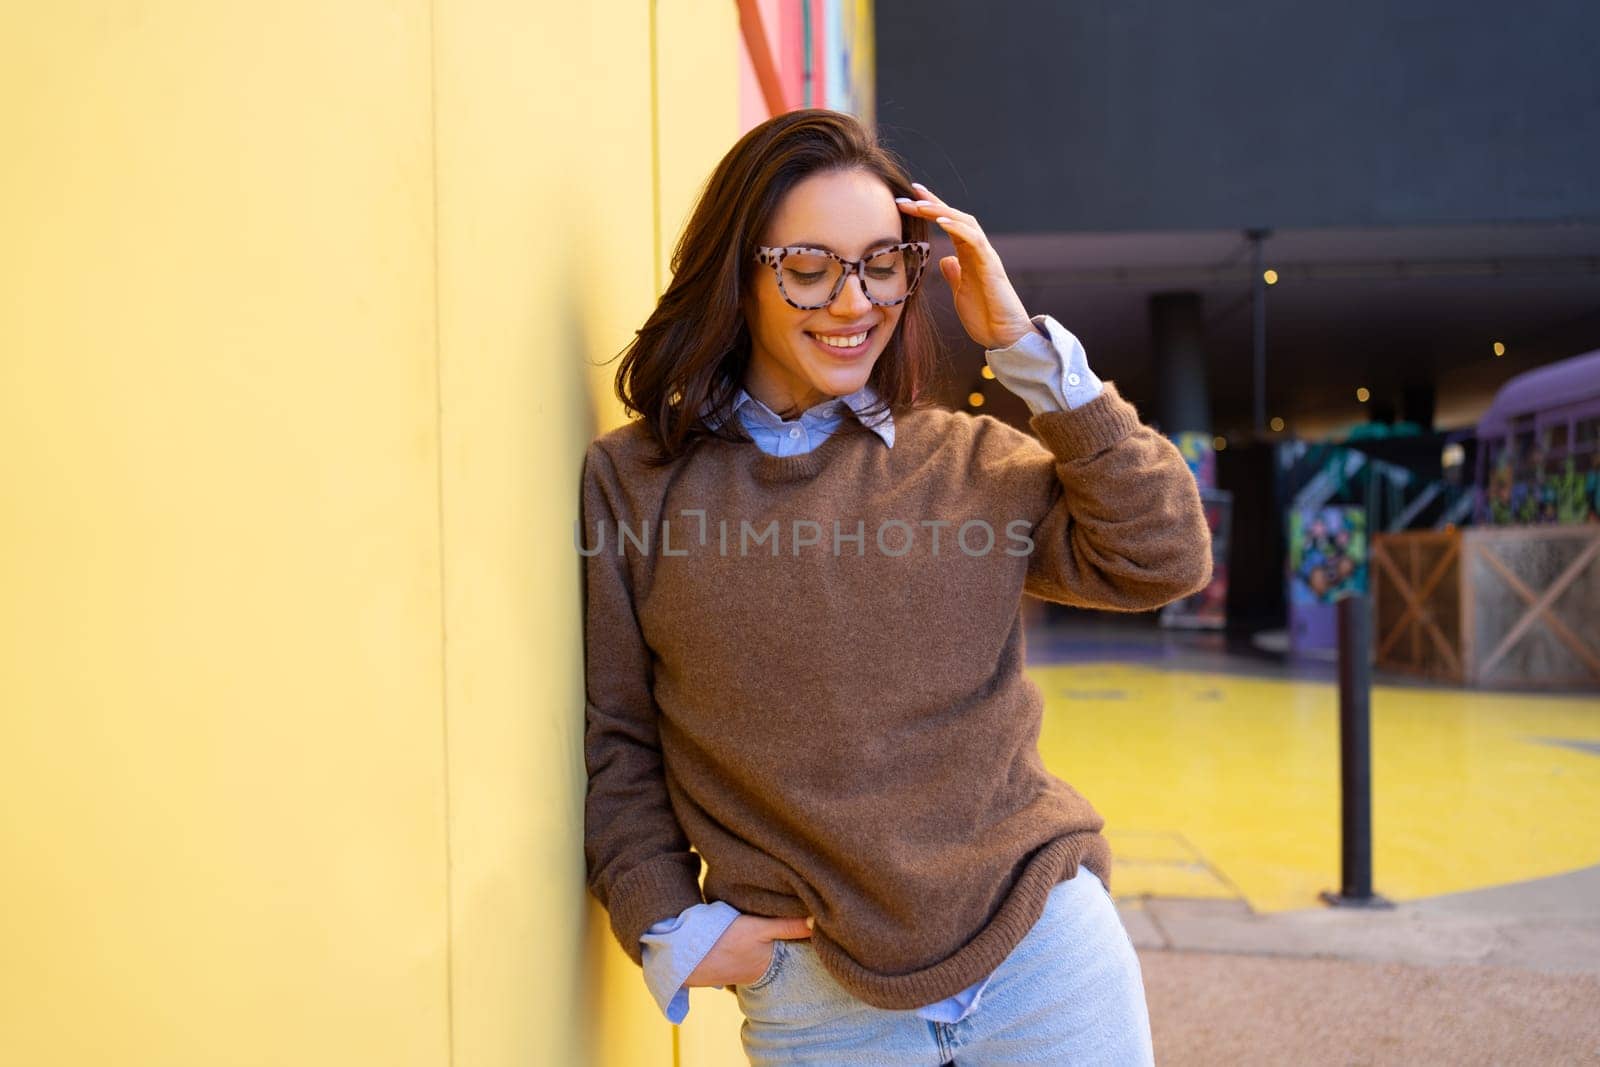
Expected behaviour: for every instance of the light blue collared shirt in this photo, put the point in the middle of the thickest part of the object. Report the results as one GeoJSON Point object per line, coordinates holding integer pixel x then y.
{"type": "Point", "coordinates": [796, 437]}
{"type": "Point", "coordinates": [1048, 368]}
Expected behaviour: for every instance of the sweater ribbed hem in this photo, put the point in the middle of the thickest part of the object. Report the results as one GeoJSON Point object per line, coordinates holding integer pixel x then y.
{"type": "Point", "coordinates": [1080, 432]}
{"type": "Point", "coordinates": [1052, 863]}
{"type": "Point", "coordinates": [656, 889]}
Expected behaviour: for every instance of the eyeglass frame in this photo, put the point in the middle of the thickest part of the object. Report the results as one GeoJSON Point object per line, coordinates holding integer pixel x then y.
{"type": "Point", "coordinates": [773, 256]}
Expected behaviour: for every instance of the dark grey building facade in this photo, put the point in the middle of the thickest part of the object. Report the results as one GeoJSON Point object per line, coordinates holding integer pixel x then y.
{"type": "Point", "coordinates": [1426, 176]}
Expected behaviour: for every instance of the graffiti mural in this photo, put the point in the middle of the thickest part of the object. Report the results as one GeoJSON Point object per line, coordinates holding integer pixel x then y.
{"type": "Point", "coordinates": [1537, 489]}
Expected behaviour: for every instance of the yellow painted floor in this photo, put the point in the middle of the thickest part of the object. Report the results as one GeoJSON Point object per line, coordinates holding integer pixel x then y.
{"type": "Point", "coordinates": [1227, 785]}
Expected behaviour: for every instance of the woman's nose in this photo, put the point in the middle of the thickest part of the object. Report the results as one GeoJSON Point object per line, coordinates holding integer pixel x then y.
{"type": "Point", "coordinates": [851, 300]}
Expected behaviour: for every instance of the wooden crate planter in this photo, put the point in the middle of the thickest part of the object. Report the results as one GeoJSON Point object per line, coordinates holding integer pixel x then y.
{"type": "Point", "coordinates": [1416, 603]}
{"type": "Point", "coordinates": [1512, 606]}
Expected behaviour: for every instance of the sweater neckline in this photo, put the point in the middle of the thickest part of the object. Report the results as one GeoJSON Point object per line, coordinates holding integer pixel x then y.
{"type": "Point", "coordinates": [775, 470]}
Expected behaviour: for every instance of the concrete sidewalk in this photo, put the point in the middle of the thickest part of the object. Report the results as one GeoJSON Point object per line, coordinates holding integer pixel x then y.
{"type": "Point", "coordinates": [1509, 975]}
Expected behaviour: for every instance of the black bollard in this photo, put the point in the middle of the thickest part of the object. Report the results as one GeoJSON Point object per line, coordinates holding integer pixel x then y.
{"type": "Point", "coordinates": [1355, 758]}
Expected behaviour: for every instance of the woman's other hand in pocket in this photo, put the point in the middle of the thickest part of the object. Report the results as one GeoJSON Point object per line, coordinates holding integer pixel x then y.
{"type": "Point", "coordinates": [744, 951]}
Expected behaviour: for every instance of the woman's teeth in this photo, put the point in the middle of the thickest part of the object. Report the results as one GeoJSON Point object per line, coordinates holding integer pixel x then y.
{"type": "Point", "coordinates": [842, 342]}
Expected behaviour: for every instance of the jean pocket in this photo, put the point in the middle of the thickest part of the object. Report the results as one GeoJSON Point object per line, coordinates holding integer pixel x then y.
{"type": "Point", "coordinates": [779, 950]}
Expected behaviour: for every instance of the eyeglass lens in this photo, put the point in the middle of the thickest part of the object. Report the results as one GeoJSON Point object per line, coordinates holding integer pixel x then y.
{"type": "Point", "coordinates": [810, 277]}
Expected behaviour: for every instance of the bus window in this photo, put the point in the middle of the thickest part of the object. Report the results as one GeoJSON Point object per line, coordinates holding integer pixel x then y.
{"type": "Point", "coordinates": [1555, 441]}
{"type": "Point", "coordinates": [1584, 433]}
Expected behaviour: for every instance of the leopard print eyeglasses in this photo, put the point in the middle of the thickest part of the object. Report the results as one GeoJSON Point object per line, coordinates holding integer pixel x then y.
{"type": "Point", "coordinates": [810, 278]}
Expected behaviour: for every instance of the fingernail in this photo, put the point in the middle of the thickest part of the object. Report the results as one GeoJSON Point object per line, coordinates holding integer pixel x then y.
{"type": "Point", "coordinates": [919, 185]}
{"type": "Point", "coordinates": [811, 924]}
{"type": "Point", "coordinates": [902, 200]}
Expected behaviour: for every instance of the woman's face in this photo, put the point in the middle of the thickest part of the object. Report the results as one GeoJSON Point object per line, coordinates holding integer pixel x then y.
{"type": "Point", "coordinates": [848, 212]}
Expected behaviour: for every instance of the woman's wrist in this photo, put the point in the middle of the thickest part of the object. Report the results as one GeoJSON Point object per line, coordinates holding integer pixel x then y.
{"type": "Point", "coordinates": [1013, 334]}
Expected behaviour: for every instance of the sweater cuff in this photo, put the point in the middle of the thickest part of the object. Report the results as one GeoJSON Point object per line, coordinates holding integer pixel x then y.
{"type": "Point", "coordinates": [656, 889]}
{"type": "Point", "coordinates": [1083, 431]}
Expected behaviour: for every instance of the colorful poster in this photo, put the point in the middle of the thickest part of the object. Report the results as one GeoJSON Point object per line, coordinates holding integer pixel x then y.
{"type": "Point", "coordinates": [1201, 456]}
{"type": "Point", "coordinates": [1327, 560]}
{"type": "Point", "coordinates": [1208, 609]}
{"type": "Point", "coordinates": [1327, 554]}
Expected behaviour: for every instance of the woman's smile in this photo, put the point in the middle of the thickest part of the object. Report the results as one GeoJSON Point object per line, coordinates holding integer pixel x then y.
{"type": "Point", "coordinates": [836, 344]}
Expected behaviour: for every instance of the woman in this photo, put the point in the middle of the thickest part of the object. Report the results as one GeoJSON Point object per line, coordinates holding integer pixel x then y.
{"type": "Point", "coordinates": [804, 643]}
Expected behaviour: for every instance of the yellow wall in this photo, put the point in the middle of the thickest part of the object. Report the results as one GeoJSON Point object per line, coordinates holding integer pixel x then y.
{"type": "Point", "coordinates": [295, 301]}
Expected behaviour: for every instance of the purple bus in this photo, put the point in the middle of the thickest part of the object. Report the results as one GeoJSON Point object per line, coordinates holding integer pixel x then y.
{"type": "Point", "coordinates": [1538, 454]}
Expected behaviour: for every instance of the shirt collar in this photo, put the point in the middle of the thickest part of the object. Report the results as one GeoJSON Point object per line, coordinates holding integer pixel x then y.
{"type": "Point", "coordinates": [859, 401]}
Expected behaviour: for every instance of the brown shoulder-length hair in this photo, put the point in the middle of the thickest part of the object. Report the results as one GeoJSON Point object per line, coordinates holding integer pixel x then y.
{"type": "Point", "coordinates": [695, 347]}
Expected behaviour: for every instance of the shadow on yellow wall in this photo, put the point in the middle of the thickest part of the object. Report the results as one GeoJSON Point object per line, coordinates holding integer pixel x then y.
{"type": "Point", "coordinates": [306, 312]}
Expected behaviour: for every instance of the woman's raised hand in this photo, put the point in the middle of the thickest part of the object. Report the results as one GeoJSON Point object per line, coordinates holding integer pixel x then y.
{"type": "Point", "coordinates": [989, 307]}
{"type": "Point", "coordinates": [744, 951]}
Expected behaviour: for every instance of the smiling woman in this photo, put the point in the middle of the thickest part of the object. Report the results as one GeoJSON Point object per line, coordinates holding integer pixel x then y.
{"type": "Point", "coordinates": [841, 727]}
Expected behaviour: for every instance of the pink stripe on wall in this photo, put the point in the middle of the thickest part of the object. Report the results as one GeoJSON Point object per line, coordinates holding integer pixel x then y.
{"type": "Point", "coordinates": [819, 52]}
{"type": "Point", "coordinates": [791, 51]}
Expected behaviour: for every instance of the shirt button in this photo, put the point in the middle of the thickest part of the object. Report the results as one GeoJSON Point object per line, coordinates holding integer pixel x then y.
{"type": "Point", "coordinates": [1073, 379]}
{"type": "Point", "coordinates": [795, 432]}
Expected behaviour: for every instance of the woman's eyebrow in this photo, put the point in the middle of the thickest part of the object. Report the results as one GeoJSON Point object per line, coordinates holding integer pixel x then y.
{"type": "Point", "coordinates": [870, 246]}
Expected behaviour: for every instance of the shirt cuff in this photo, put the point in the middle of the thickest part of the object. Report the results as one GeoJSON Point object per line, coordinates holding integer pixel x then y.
{"type": "Point", "coordinates": [1047, 367]}
{"type": "Point", "coordinates": [674, 947]}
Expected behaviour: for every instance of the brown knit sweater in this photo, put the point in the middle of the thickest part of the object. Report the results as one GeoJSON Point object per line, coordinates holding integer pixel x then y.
{"type": "Point", "coordinates": [810, 669]}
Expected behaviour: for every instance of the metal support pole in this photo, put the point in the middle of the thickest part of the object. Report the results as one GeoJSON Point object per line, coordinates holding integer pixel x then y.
{"type": "Point", "coordinates": [1355, 757]}
{"type": "Point", "coordinates": [1258, 301]}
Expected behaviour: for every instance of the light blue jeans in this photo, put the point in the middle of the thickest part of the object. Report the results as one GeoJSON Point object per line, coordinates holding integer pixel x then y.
{"type": "Point", "coordinates": [1071, 992]}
